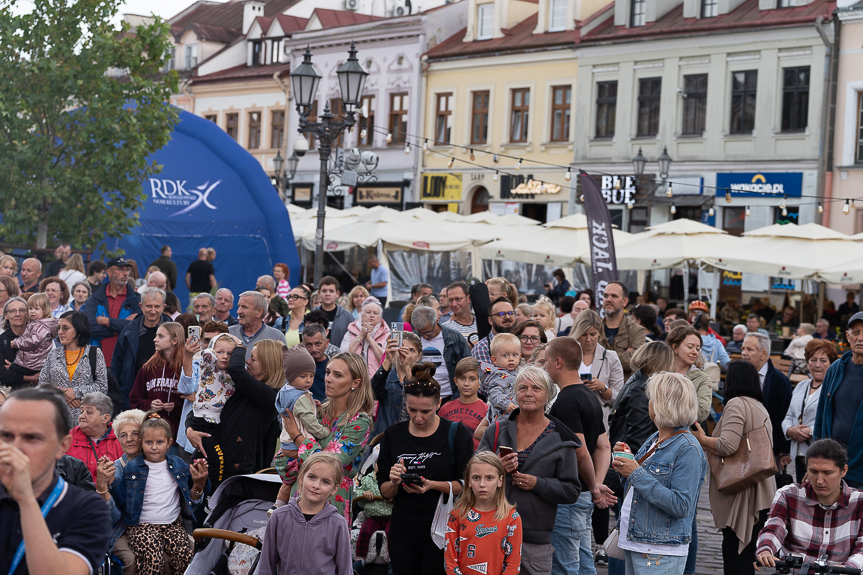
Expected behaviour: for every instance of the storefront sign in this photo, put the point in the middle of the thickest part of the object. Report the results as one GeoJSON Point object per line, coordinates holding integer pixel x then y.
{"type": "Point", "coordinates": [618, 189]}
{"type": "Point", "coordinates": [379, 194]}
{"type": "Point", "coordinates": [303, 193]}
{"type": "Point", "coordinates": [534, 187]}
{"type": "Point", "coordinates": [441, 187]}
{"type": "Point", "coordinates": [761, 184]}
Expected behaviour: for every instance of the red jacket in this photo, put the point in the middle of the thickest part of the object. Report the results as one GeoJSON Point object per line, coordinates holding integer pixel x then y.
{"type": "Point", "coordinates": [90, 451]}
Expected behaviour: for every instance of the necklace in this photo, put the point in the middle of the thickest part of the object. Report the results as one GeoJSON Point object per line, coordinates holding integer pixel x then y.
{"type": "Point", "coordinates": [77, 358]}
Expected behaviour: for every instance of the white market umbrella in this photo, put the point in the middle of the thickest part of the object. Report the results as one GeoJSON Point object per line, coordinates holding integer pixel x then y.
{"type": "Point", "coordinates": [505, 220]}
{"type": "Point", "coordinates": [415, 234]}
{"type": "Point", "coordinates": [791, 251]}
{"type": "Point", "coordinates": [673, 244]}
{"type": "Point", "coordinates": [561, 243]}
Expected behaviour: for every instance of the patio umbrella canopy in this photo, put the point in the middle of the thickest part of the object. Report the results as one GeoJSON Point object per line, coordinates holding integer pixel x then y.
{"type": "Point", "coordinates": [414, 234]}
{"type": "Point", "coordinates": [561, 243]}
{"type": "Point", "coordinates": [674, 243]}
{"type": "Point", "coordinates": [791, 251]}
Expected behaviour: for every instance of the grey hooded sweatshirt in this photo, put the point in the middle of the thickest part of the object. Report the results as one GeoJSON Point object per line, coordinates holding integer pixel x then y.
{"type": "Point", "coordinates": [294, 546]}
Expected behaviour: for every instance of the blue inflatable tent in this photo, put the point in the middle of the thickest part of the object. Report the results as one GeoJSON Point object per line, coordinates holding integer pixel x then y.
{"type": "Point", "coordinates": [212, 193]}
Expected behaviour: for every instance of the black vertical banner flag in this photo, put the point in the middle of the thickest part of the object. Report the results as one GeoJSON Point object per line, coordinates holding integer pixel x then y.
{"type": "Point", "coordinates": [603, 260]}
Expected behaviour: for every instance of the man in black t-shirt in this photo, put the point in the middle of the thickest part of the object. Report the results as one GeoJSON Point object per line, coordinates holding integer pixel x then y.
{"type": "Point", "coordinates": [579, 409]}
{"type": "Point", "coordinates": [73, 537]}
{"type": "Point", "coordinates": [201, 275]}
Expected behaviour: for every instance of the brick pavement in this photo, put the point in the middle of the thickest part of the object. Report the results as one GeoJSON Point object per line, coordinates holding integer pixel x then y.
{"type": "Point", "coordinates": [709, 539]}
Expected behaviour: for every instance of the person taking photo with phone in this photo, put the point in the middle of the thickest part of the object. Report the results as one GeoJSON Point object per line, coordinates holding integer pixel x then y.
{"type": "Point", "coordinates": [419, 460]}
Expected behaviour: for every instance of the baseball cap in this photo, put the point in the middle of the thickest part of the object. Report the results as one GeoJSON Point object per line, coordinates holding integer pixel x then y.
{"type": "Point", "coordinates": [118, 262]}
{"type": "Point", "coordinates": [856, 317]}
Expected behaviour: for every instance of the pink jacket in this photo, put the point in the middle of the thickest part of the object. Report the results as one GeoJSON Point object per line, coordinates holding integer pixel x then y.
{"type": "Point", "coordinates": [380, 335]}
{"type": "Point", "coordinates": [35, 343]}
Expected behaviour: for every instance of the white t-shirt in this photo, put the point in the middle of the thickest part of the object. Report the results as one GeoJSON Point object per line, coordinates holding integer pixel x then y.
{"type": "Point", "coordinates": [681, 550]}
{"type": "Point", "coordinates": [584, 368]}
{"type": "Point", "coordinates": [441, 373]}
{"type": "Point", "coordinates": [161, 496]}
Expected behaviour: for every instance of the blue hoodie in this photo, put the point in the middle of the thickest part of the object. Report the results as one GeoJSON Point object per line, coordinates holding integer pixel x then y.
{"type": "Point", "coordinates": [824, 418]}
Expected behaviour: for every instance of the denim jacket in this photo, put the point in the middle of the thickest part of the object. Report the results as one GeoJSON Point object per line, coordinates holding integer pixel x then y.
{"type": "Point", "coordinates": [391, 404]}
{"type": "Point", "coordinates": [666, 490]}
{"type": "Point", "coordinates": [130, 481]}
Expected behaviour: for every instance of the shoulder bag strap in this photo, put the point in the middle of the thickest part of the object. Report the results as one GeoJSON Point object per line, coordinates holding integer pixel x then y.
{"type": "Point", "coordinates": [92, 362]}
{"type": "Point", "coordinates": [658, 443]}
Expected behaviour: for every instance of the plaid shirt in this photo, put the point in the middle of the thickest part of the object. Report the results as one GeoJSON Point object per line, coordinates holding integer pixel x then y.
{"type": "Point", "coordinates": [482, 353]}
{"type": "Point", "coordinates": [799, 525]}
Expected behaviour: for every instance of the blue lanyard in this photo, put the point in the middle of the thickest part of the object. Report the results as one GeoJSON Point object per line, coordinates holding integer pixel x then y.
{"type": "Point", "coordinates": [46, 508]}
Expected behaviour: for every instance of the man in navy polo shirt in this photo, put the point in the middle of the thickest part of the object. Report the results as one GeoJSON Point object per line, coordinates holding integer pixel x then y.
{"type": "Point", "coordinates": [71, 536]}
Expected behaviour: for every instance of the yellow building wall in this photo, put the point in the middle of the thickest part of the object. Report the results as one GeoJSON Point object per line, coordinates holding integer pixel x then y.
{"type": "Point", "coordinates": [500, 75]}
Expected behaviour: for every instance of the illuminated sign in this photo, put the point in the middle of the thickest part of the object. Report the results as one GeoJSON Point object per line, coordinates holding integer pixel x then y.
{"type": "Point", "coordinates": [534, 187]}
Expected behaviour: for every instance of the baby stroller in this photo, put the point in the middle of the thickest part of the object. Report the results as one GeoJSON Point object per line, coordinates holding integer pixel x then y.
{"type": "Point", "coordinates": [235, 525]}
{"type": "Point", "coordinates": [378, 557]}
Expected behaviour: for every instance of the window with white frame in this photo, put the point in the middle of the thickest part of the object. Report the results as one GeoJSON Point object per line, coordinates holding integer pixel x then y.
{"type": "Point", "coordinates": [191, 56]}
{"type": "Point", "coordinates": [556, 15]}
{"type": "Point", "coordinates": [484, 21]}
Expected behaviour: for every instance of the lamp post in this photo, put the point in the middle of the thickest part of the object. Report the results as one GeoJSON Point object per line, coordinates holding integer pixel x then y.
{"type": "Point", "coordinates": [283, 177]}
{"type": "Point", "coordinates": [304, 85]}
{"type": "Point", "coordinates": [639, 162]}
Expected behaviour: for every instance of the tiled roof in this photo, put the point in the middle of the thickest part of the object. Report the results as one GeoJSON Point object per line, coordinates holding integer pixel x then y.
{"type": "Point", "coordinates": [226, 15]}
{"type": "Point", "coordinates": [264, 22]}
{"type": "Point", "coordinates": [243, 72]}
{"type": "Point", "coordinates": [745, 16]}
{"type": "Point", "coordinates": [291, 24]}
{"type": "Point", "coordinates": [214, 33]}
{"type": "Point", "coordinates": [519, 37]}
{"type": "Point", "coordinates": [335, 18]}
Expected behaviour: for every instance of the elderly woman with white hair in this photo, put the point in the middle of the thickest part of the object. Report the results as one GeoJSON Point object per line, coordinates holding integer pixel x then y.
{"type": "Point", "coordinates": [93, 437]}
{"type": "Point", "coordinates": [797, 348]}
{"type": "Point", "coordinates": [662, 482]}
{"type": "Point", "coordinates": [538, 454]}
{"type": "Point", "coordinates": [368, 334]}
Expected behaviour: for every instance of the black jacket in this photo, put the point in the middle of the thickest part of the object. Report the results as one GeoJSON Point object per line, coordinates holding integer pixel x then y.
{"type": "Point", "coordinates": [629, 420]}
{"type": "Point", "coordinates": [75, 472]}
{"type": "Point", "coordinates": [777, 398]}
{"type": "Point", "coordinates": [8, 353]}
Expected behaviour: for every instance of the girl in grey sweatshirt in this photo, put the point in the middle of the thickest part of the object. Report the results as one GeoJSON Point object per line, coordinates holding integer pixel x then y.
{"type": "Point", "coordinates": [296, 544]}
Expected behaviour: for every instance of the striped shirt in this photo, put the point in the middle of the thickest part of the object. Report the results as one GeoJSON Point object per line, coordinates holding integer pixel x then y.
{"type": "Point", "coordinates": [283, 289]}
{"type": "Point", "coordinates": [798, 524]}
{"type": "Point", "coordinates": [466, 330]}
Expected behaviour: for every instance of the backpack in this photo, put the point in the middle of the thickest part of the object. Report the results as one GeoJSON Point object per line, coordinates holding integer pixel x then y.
{"type": "Point", "coordinates": [113, 386]}
{"type": "Point", "coordinates": [711, 368]}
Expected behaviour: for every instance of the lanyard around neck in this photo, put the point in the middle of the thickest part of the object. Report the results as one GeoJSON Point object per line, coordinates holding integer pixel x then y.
{"type": "Point", "coordinates": [46, 508]}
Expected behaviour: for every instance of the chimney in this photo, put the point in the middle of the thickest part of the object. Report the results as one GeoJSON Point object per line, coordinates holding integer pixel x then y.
{"type": "Point", "coordinates": [251, 10]}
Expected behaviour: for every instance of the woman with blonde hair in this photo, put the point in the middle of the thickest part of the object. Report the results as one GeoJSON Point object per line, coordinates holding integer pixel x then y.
{"type": "Point", "coordinates": [356, 297]}
{"type": "Point", "coordinates": [600, 368]}
{"type": "Point", "coordinates": [523, 311]}
{"type": "Point", "coordinates": [347, 412]}
{"type": "Point", "coordinates": [74, 271]}
{"type": "Point", "coordinates": [662, 481]}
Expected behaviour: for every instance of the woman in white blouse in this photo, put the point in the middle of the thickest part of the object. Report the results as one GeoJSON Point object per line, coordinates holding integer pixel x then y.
{"type": "Point", "coordinates": [800, 419]}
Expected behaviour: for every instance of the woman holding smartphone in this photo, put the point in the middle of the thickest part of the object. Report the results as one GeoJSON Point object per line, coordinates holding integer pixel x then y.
{"type": "Point", "coordinates": [600, 368]}
{"type": "Point", "coordinates": [420, 459]}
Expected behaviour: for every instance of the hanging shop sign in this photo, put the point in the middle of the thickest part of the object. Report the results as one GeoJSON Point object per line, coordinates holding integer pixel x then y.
{"type": "Point", "coordinates": [618, 189]}
{"type": "Point", "coordinates": [534, 187]}
{"type": "Point", "coordinates": [379, 194]}
{"type": "Point", "coordinates": [760, 184]}
{"type": "Point", "coordinates": [441, 187]}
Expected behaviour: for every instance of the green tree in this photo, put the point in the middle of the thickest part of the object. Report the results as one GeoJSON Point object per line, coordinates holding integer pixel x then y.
{"type": "Point", "coordinates": [82, 106]}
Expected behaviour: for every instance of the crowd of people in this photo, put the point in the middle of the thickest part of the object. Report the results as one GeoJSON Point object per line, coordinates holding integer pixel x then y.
{"type": "Point", "coordinates": [481, 433]}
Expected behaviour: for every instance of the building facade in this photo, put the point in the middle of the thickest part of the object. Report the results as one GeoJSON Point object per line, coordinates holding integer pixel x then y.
{"type": "Point", "coordinates": [389, 49]}
{"type": "Point", "coordinates": [499, 90]}
{"type": "Point", "coordinates": [847, 153]}
{"type": "Point", "coordinates": [732, 89]}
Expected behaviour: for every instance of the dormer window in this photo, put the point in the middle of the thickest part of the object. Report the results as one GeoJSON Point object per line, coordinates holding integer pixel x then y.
{"type": "Point", "coordinates": [484, 21]}
{"type": "Point", "coordinates": [257, 53]}
{"type": "Point", "coordinates": [709, 8]}
{"type": "Point", "coordinates": [191, 56]}
{"type": "Point", "coordinates": [556, 15]}
{"type": "Point", "coordinates": [637, 16]}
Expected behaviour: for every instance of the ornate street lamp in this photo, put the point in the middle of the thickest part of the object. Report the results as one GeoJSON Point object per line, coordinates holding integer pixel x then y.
{"type": "Point", "coordinates": [304, 83]}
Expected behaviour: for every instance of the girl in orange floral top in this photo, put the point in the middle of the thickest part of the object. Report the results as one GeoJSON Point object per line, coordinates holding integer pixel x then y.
{"type": "Point", "coordinates": [346, 412]}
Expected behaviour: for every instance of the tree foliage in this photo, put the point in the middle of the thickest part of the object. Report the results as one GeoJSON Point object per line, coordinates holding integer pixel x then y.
{"type": "Point", "coordinates": [82, 106]}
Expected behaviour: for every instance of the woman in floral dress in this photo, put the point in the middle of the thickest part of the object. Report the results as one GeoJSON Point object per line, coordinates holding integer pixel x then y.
{"type": "Point", "coordinates": [350, 400]}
